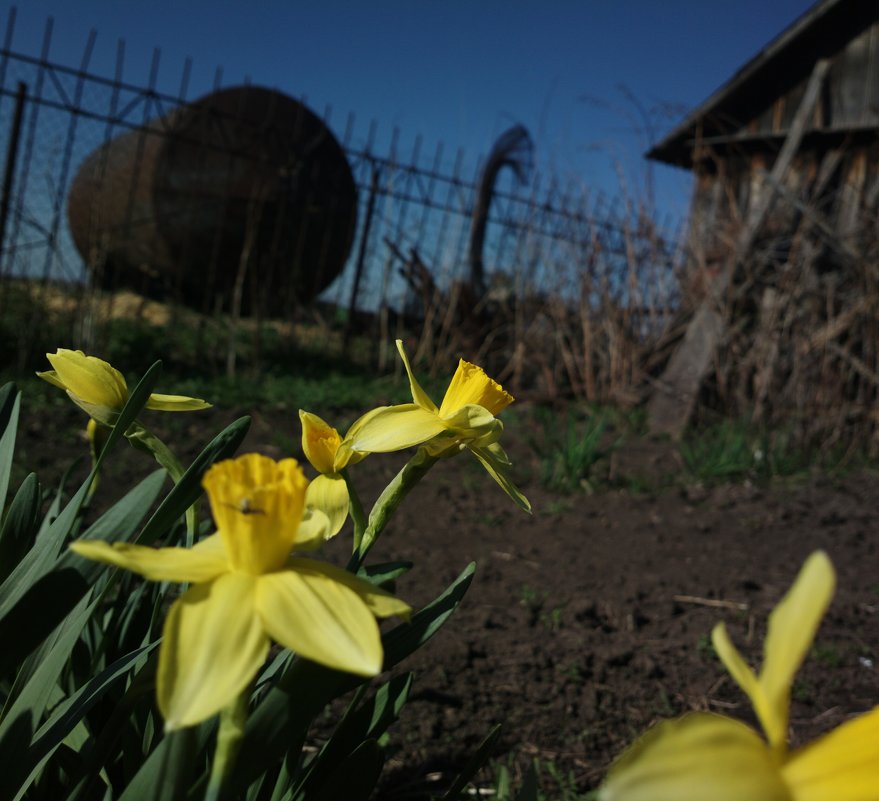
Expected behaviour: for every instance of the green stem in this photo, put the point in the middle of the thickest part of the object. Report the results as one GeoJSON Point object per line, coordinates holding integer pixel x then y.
{"type": "Point", "coordinates": [358, 516]}
{"type": "Point", "coordinates": [97, 436]}
{"type": "Point", "coordinates": [392, 496]}
{"type": "Point", "coordinates": [145, 440]}
{"type": "Point", "coordinates": [233, 719]}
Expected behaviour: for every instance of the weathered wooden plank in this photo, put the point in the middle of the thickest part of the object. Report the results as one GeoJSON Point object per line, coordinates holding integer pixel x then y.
{"type": "Point", "coordinates": [846, 82]}
{"type": "Point", "coordinates": [674, 395]}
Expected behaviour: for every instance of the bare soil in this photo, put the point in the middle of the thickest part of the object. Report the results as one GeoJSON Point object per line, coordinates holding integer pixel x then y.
{"type": "Point", "coordinates": [588, 620]}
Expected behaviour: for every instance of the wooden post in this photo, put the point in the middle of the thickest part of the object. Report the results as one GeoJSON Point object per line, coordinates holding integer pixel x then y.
{"type": "Point", "coordinates": [674, 395]}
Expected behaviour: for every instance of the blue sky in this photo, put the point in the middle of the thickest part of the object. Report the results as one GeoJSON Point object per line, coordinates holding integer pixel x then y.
{"type": "Point", "coordinates": [453, 71]}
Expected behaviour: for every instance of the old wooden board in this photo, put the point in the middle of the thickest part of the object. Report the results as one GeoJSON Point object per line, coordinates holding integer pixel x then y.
{"type": "Point", "coordinates": [674, 396]}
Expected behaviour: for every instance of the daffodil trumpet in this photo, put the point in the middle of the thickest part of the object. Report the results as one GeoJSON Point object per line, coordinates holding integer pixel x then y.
{"type": "Point", "coordinates": [708, 757]}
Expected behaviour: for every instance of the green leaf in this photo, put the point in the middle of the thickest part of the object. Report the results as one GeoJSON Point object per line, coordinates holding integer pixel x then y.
{"type": "Point", "coordinates": [502, 784]}
{"type": "Point", "coordinates": [65, 717]}
{"type": "Point", "coordinates": [384, 573]}
{"type": "Point", "coordinates": [356, 776]}
{"type": "Point", "coordinates": [10, 403]}
{"type": "Point", "coordinates": [55, 507]}
{"type": "Point", "coordinates": [121, 738]}
{"type": "Point", "coordinates": [40, 559]}
{"type": "Point", "coordinates": [407, 638]}
{"type": "Point", "coordinates": [168, 772]}
{"type": "Point", "coordinates": [288, 708]}
{"type": "Point", "coordinates": [528, 790]}
{"type": "Point", "coordinates": [476, 761]}
{"type": "Point", "coordinates": [188, 489]}
{"type": "Point", "coordinates": [32, 699]}
{"type": "Point", "coordinates": [45, 604]}
{"type": "Point", "coordinates": [20, 527]}
{"type": "Point", "coordinates": [362, 722]}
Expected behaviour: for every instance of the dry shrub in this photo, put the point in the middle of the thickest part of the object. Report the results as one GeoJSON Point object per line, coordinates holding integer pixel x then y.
{"type": "Point", "coordinates": [801, 349]}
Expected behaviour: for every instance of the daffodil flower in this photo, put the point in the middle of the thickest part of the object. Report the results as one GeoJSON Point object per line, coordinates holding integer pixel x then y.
{"type": "Point", "coordinates": [329, 491]}
{"type": "Point", "coordinates": [100, 390]}
{"type": "Point", "coordinates": [707, 757]}
{"type": "Point", "coordinates": [466, 419]}
{"type": "Point", "coordinates": [248, 590]}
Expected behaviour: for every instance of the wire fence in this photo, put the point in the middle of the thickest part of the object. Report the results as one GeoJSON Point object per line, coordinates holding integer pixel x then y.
{"type": "Point", "coordinates": [543, 237]}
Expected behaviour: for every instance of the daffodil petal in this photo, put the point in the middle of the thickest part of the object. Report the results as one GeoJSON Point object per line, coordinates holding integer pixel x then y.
{"type": "Point", "coordinates": [497, 470]}
{"type": "Point", "coordinates": [52, 377]}
{"type": "Point", "coordinates": [699, 757]}
{"type": "Point", "coordinates": [213, 645]}
{"type": "Point", "coordinates": [380, 602]}
{"type": "Point", "coordinates": [474, 421]}
{"type": "Point", "coordinates": [320, 619]}
{"type": "Point", "coordinates": [90, 379]}
{"type": "Point", "coordinates": [420, 397]}
{"type": "Point", "coordinates": [471, 385]}
{"type": "Point", "coordinates": [393, 428]}
{"type": "Point", "coordinates": [792, 627]}
{"type": "Point", "coordinates": [320, 441]}
{"type": "Point", "coordinates": [843, 765]}
{"type": "Point", "coordinates": [314, 530]}
{"type": "Point", "coordinates": [329, 494]}
{"type": "Point", "coordinates": [202, 563]}
{"type": "Point", "coordinates": [747, 680]}
{"type": "Point", "coordinates": [175, 403]}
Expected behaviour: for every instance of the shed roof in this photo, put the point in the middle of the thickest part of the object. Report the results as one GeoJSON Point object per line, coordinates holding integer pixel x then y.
{"type": "Point", "coordinates": [787, 60]}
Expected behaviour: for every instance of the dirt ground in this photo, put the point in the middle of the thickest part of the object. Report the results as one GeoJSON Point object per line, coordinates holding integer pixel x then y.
{"type": "Point", "coordinates": [590, 619]}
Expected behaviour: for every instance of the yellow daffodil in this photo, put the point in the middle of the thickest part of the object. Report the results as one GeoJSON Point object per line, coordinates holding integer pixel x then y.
{"type": "Point", "coordinates": [466, 418]}
{"type": "Point", "coordinates": [100, 389]}
{"type": "Point", "coordinates": [707, 757]}
{"type": "Point", "coordinates": [248, 591]}
{"type": "Point", "coordinates": [329, 491]}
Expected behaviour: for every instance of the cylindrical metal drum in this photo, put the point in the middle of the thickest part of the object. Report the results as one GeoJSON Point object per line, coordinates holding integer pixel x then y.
{"type": "Point", "coordinates": [244, 187]}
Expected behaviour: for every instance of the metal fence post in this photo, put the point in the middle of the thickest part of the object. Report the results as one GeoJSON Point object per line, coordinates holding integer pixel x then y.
{"type": "Point", "coordinates": [11, 156]}
{"type": "Point", "coordinates": [361, 256]}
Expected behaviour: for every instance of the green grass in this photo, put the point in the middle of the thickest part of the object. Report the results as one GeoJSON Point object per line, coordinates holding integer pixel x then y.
{"type": "Point", "coordinates": [544, 781]}
{"type": "Point", "coordinates": [726, 451]}
{"type": "Point", "coordinates": [302, 366]}
{"type": "Point", "coordinates": [735, 450]}
{"type": "Point", "coordinates": [571, 446]}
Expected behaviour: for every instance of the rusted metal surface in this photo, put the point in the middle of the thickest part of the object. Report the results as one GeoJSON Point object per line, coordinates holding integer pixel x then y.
{"type": "Point", "coordinates": [165, 209]}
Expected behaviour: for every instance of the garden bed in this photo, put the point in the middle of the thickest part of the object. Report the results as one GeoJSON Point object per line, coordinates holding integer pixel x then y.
{"type": "Point", "coordinates": [587, 620]}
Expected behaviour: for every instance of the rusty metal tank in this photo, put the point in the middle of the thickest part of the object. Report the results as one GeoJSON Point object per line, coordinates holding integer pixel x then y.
{"type": "Point", "coordinates": [245, 188]}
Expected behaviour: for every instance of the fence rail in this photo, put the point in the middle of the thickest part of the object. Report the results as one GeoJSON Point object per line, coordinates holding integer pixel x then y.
{"type": "Point", "coordinates": [542, 236]}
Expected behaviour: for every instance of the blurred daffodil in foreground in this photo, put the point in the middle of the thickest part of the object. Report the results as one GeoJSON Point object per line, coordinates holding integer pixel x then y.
{"type": "Point", "coordinates": [466, 419]}
{"type": "Point", "coordinates": [248, 590]}
{"type": "Point", "coordinates": [707, 757]}
{"type": "Point", "coordinates": [100, 389]}
{"type": "Point", "coordinates": [329, 491]}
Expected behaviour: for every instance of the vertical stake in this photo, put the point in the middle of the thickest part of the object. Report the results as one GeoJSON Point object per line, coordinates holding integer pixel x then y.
{"type": "Point", "coordinates": [361, 256]}
{"type": "Point", "coordinates": [11, 156]}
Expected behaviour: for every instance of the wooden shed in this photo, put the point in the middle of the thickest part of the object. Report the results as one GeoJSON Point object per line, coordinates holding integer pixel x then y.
{"type": "Point", "coordinates": [733, 139]}
{"type": "Point", "coordinates": [785, 157]}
